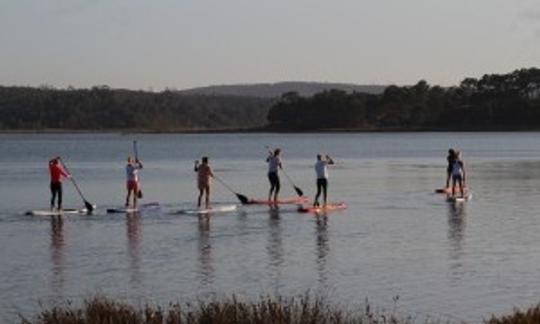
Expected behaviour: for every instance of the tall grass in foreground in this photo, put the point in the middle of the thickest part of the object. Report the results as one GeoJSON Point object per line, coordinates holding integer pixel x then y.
{"type": "Point", "coordinates": [268, 310]}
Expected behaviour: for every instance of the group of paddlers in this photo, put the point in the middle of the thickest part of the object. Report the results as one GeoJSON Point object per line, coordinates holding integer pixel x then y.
{"type": "Point", "coordinates": [455, 174]}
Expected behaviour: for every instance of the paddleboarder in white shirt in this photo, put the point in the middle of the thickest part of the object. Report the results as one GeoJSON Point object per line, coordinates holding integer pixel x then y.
{"type": "Point", "coordinates": [274, 164]}
{"type": "Point", "coordinates": [321, 169]}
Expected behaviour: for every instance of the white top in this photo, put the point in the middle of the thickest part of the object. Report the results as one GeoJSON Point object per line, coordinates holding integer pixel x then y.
{"type": "Point", "coordinates": [132, 172]}
{"type": "Point", "coordinates": [321, 169]}
{"type": "Point", "coordinates": [273, 164]}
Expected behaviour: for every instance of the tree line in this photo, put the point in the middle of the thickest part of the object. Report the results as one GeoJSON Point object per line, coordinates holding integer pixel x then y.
{"type": "Point", "coordinates": [495, 101]}
{"type": "Point", "coordinates": [102, 108]}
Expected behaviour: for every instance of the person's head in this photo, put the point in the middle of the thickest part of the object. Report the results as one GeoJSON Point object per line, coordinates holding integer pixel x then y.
{"type": "Point", "coordinates": [276, 152]}
{"type": "Point", "coordinates": [130, 159]}
{"type": "Point", "coordinates": [55, 161]}
{"type": "Point", "coordinates": [319, 157]}
{"type": "Point", "coordinates": [451, 152]}
{"type": "Point", "coordinates": [204, 159]}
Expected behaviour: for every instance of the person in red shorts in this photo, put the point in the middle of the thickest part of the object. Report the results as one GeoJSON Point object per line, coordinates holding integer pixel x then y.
{"type": "Point", "coordinates": [132, 176]}
{"type": "Point", "coordinates": [57, 172]}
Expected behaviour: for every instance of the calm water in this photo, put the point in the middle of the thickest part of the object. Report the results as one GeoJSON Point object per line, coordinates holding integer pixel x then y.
{"type": "Point", "coordinates": [395, 239]}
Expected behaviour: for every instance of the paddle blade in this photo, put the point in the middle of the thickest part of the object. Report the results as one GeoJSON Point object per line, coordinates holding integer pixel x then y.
{"type": "Point", "coordinates": [243, 199]}
{"type": "Point", "coordinates": [299, 191]}
{"type": "Point", "coordinates": [88, 206]}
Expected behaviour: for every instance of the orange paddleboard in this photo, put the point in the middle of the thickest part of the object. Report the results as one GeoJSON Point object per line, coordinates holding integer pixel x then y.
{"type": "Point", "coordinates": [322, 209]}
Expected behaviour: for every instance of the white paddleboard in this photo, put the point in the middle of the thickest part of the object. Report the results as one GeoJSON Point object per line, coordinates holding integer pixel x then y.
{"type": "Point", "coordinates": [458, 199]}
{"type": "Point", "coordinates": [212, 210]}
{"type": "Point", "coordinates": [67, 211]}
{"type": "Point", "coordinates": [124, 210]}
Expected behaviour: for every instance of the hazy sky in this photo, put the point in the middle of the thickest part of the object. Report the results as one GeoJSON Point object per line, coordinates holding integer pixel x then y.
{"type": "Point", "coordinates": [143, 44]}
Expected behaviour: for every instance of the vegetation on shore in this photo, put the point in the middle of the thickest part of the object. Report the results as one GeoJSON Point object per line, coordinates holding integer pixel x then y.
{"type": "Point", "coordinates": [493, 102]}
{"type": "Point", "coordinates": [267, 310]}
{"type": "Point", "coordinates": [102, 108]}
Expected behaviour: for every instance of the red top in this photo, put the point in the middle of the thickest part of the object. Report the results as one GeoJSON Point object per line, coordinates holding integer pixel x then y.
{"type": "Point", "coordinates": [57, 172]}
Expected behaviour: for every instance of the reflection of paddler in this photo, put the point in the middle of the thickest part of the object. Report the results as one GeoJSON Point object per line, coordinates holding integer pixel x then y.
{"type": "Point", "coordinates": [204, 175]}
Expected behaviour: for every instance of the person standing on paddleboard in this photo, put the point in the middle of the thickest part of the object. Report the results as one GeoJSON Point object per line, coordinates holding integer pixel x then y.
{"type": "Point", "coordinates": [458, 174]}
{"type": "Point", "coordinates": [132, 179]}
{"type": "Point", "coordinates": [57, 172]}
{"type": "Point", "coordinates": [204, 177]}
{"type": "Point", "coordinates": [321, 169]}
{"type": "Point", "coordinates": [274, 164]}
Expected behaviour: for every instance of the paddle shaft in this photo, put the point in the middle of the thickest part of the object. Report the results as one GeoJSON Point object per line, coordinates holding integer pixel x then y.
{"type": "Point", "coordinates": [243, 199]}
{"type": "Point", "coordinates": [88, 205]}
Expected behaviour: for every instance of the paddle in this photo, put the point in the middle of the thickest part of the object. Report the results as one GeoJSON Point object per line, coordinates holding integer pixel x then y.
{"type": "Point", "coordinates": [136, 152]}
{"type": "Point", "coordinates": [88, 205]}
{"type": "Point", "coordinates": [299, 191]}
{"type": "Point", "coordinates": [243, 199]}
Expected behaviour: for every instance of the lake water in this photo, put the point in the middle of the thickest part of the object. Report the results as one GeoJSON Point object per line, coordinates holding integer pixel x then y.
{"type": "Point", "coordinates": [396, 238]}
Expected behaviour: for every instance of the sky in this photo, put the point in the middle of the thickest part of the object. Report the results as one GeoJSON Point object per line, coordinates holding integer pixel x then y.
{"type": "Point", "coordinates": [178, 44]}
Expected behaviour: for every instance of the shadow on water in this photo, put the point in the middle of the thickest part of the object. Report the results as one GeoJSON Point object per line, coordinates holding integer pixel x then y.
{"type": "Point", "coordinates": [134, 239]}
{"type": "Point", "coordinates": [275, 247]}
{"type": "Point", "coordinates": [205, 252]}
{"type": "Point", "coordinates": [323, 248]}
{"type": "Point", "coordinates": [456, 235]}
{"type": "Point", "coordinates": [57, 256]}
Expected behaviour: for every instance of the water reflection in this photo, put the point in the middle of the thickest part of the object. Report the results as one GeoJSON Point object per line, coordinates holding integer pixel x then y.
{"type": "Point", "coordinates": [456, 236]}
{"type": "Point", "coordinates": [323, 248]}
{"type": "Point", "coordinates": [275, 248]}
{"type": "Point", "coordinates": [134, 238]}
{"type": "Point", "coordinates": [205, 252]}
{"type": "Point", "coordinates": [57, 256]}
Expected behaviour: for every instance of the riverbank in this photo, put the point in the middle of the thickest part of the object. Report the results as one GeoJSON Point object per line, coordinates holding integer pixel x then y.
{"type": "Point", "coordinates": [266, 310]}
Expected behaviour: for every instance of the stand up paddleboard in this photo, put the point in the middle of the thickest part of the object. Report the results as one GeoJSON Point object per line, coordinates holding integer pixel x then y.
{"type": "Point", "coordinates": [204, 211]}
{"type": "Point", "coordinates": [141, 208]}
{"type": "Point", "coordinates": [322, 209]}
{"type": "Point", "coordinates": [67, 211]}
{"type": "Point", "coordinates": [459, 199]}
{"type": "Point", "coordinates": [448, 190]}
{"type": "Point", "coordinates": [287, 201]}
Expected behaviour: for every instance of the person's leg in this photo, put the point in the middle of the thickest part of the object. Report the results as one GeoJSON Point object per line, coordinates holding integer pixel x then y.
{"type": "Point", "coordinates": [319, 186]}
{"type": "Point", "coordinates": [200, 196]}
{"type": "Point", "coordinates": [59, 192]}
{"type": "Point", "coordinates": [325, 189]}
{"type": "Point", "coordinates": [460, 182]}
{"type": "Point", "coordinates": [278, 186]}
{"type": "Point", "coordinates": [53, 195]}
{"type": "Point", "coordinates": [454, 186]}
{"type": "Point", "coordinates": [207, 198]}
{"type": "Point", "coordinates": [128, 195]}
{"type": "Point", "coordinates": [272, 179]}
{"type": "Point", "coordinates": [448, 176]}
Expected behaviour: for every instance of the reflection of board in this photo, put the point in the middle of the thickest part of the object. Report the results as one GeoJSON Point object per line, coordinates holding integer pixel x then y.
{"type": "Point", "coordinates": [212, 210]}
{"type": "Point", "coordinates": [448, 190]}
{"type": "Point", "coordinates": [294, 200]}
{"type": "Point", "coordinates": [321, 209]}
{"type": "Point", "coordinates": [141, 208]}
{"type": "Point", "coordinates": [458, 199]}
{"type": "Point", "coordinates": [67, 211]}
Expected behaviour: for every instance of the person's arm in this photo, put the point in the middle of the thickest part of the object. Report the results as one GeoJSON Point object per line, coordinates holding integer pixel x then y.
{"type": "Point", "coordinates": [280, 165]}
{"type": "Point", "coordinates": [139, 164]}
{"type": "Point", "coordinates": [64, 173]}
{"type": "Point", "coordinates": [196, 167]}
{"type": "Point", "coordinates": [329, 159]}
{"type": "Point", "coordinates": [210, 172]}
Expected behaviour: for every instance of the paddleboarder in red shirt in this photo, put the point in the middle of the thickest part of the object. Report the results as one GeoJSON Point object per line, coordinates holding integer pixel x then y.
{"type": "Point", "coordinates": [57, 173]}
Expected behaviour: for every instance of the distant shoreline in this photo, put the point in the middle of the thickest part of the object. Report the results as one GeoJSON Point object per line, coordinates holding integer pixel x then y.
{"type": "Point", "coordinates": [269, 130]}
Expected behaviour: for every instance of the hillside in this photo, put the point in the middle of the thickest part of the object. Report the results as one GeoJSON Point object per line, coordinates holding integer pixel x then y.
{"type": "Point", "coordinates": [274, 90]}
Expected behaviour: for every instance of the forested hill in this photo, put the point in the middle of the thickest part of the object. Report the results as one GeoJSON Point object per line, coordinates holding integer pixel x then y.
{"type": "Point", "coordinates": [493, 102]}
{"type": "Point", "coordinates": [275, 90]}
{"type": "Point", "coordinates": [102, 108]}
